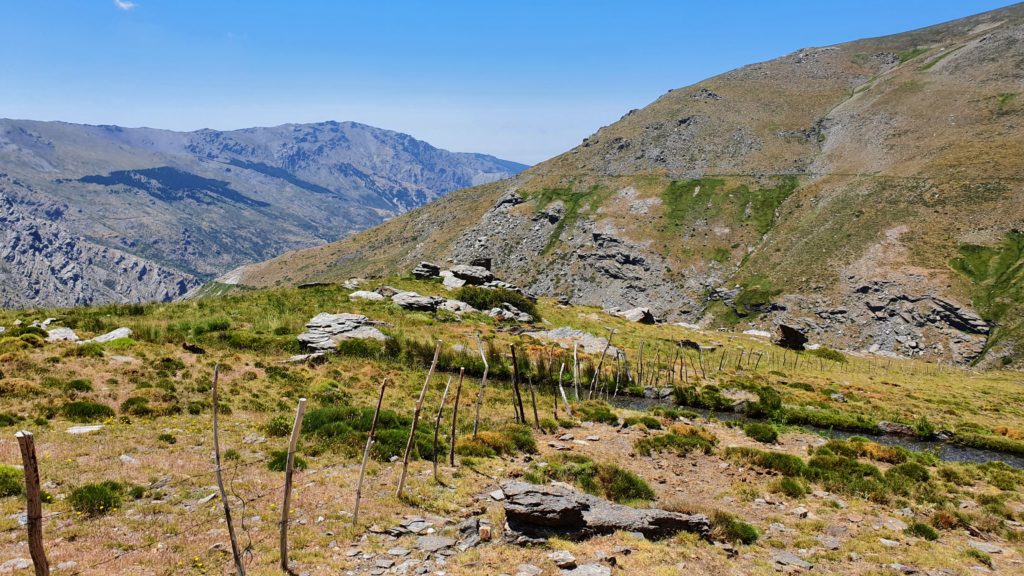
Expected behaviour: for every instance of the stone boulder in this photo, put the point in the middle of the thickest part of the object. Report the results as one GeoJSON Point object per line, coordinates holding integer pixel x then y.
{"type": "Point", "coordinates": [450, 281]}
{"type": "Point", "coordinates": [426, 270]}
{"type": "Point", "coordinates": [566, 337]}
{"type": "Point", "coordinates": [535, 512]}
{"type": "Point", "coordinates": [414, 301]}
{"type": "Point", "coordinates": [456, 306]}
{"type": "Point", "coordinates": [640, 315]}
{"type": "Point", "coordinates": [365, 295]}
{"type": "Point", "coordinates": [109, 336]}
{"type": "Point", "coordinates": [896, 429]}
{"type": "Point", "coordinates": [61, 335]}
{"type": "Point", "coordinates": [509, 313]}
{"type": "Point", "coordinates": [324, 331]}
{"type": "Point", "coordinates": [476, 275]}
{"type": "Point", "coordinates": [791, 338]}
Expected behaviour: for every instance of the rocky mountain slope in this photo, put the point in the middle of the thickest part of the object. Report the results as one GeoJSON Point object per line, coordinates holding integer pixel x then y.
{"type": "Point", "coordinates": [869, 193]}
{"type": "Point", "coordinates": [103, 213]}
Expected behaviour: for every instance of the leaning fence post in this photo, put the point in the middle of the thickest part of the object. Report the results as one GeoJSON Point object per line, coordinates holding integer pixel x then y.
{"type": "Point", "coordinates": [483, 384]}
{"type": "Point", "coordinates": [415, 419]}
{"type": "Point", "coordinates": [220, 478]}
{"type": "Point", "coordinates": [517, 397]}
{"type": "Point", "coordinates": [289, 468]}
{"type": "Point", "coordinates": [455, 416]}
{"type": "Point", "coordinates": [366, 451]}
{"type": "Point", "coordinates": [533, 400]}
{"type": "Point", "coordinates": [565, 401]}
{"type": "Point", "coordinates": [437, 423]}
{"type": "Point", "coordinates": [34, 509]}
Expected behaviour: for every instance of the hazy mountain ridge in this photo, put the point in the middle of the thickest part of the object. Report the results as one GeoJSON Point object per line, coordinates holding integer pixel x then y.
{"type": "Point", "coordinates": [192, 205]}
{"type": "Point", "coordinates": [808, 181]}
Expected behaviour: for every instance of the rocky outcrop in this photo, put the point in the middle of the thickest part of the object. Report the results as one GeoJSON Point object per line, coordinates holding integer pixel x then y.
{"type": "Point", "coordinates": [477, 275]}
{"type": "Point", "coordinates": [324, 331]}
{"type": "Point", "coordinates": [426, 270]}
{"type": "Point", "coordinates": [109, 336]}
{"type": "Point", "coordinates": [790, 337]}
{"type": "Point", "coordinates": [640, 315]}
{"type": "Point", "coordinates": [535, 512]}
{"type": "Point", "coordinates": [414, 301]}
{"type": "Point", "coordinates": [509, 313]}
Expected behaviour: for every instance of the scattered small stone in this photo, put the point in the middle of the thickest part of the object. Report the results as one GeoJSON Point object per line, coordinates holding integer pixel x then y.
{"type": "Point", "coordinates": [985, 547]}
{"type": "Point", "coordinates": [558, 446]}
{"type": "Point", "coordinates": [87, 429]}
{"type": "Point", "coordinates": [588, 570]}
{"type": "Point", "coordinates": [14, 565]}
{"type": "Point", "coordinates": [566, 437]}
{"type": "Point", "coordinates": [593, 438]}
{"type": "Point", "coordinates": [384, 563]}
{"type": "Point", "coordinates": [829, 543]}
{"type": "Point", "coordinates": [398, 551]}
{"type": "Point", "coordinates": [109, 336]}
{"type": "Point", "coordinates": [433, 543]}
{"type": "Point", "coordinates": [365, 295]}
{"type": "Point", "coordinates": [903, 569]}
{"type": "Point", "coordinates": [784, 558]}
{"type": "Point", "coordinates": [563, 559]}
{"type": "Point", "coordinates": [528, 570]}
{"type": "Point", "coordinates": [497, 495]}
{"type": "Point", "coordinates": [127, 459]}
{"type": "Point", "coordinates": [800, 512]}
{"type": "Point", "coordinates": [889, 543]}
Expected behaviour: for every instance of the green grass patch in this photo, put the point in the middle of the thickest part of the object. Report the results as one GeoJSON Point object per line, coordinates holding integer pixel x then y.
{"type": "Point", "coordinates": [597, 411]}
{"type": "Point", "coordinates": [97, 499]}
{"type": "Point", "coordinates": [487, 298]}
{"type": "Point", "coordinates": [728, 528]}
{"type": "Point", "coordinates": [86, 411]}
{"type": "Point", "coordinates": [604, 480]}
{"type": "Point", "coordinates": [910, 54]}
{"type": "Point", "coordinates": [575, 203]}
{"type": "Point", "coordinates": [649, 422]}
{"type": "Point", "coordinates": [762, 432]}
{"type": "Point", "coordinates": [11, 481]}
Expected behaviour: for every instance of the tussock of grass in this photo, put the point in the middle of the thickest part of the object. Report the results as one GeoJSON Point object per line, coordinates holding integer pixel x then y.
{"type": "Point", "coordinates": [509, 439]}
{"type": "Point", "coordinates": [601, 479]}
{"type": "Point", "coordinates": [11, 481]}
{"type": "Point", "coordinates": [728, 528]}
{"type": "Point", "coordinates": [648, 422]}
{"type": "Point", "coordinates": [86, 411]}
{"type": "Point", "coordinates": [681, 439]}
{"type": "Point", "coordinates": [763, 433]}
{"type": "Point", "coordinates": [97, 499]}
{"type": "Point", "coordinates": [597, 411]}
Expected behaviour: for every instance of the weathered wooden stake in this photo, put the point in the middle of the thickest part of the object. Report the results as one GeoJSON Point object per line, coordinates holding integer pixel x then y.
{"type": "Point", "coordinates": [597, 373]}
{"type": "Point", "coordinates": [415, 420]}
{"type": "Point", "coordinates": [576, 370]}
{"type": "Point", "coordinates": [437, 423]}
{"type": "Point", "coordinates": [220, 478]}
{"type": "Point", "coordinates": [565, 401]}
{"type": "Point", "coordinates": [640, 366]}
{"type": "Point", "coordinates": [533, 400]}
{"type": "Point", "coordinates": [455, 417]}
{"type": "Point", "coordinates": [289, 469]}
{"type": "Point", "coordinates": [517, 397]}
{"type": "Point", "coordinates": [34, 508]}
{"type": "Point", "coordinates": [721, 360]}
{"type": "Point", "coordinates": [483, 384]}
{"type": "Point", "coordinates": [366, 451]}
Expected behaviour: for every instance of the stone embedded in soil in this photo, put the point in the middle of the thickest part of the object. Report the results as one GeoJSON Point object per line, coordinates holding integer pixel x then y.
{"type": "Point", "coordinates": [784, 558]}
{"type": "Point", "coordinates": [324, 331]}
{"type": "Point", "coordinates": [109, 336]}
{"type": "Point", "coordinates": [588, 570]}
{"type": "Point", "coordinates": [536, 512]}
{"type": "Point", "coordinates": [563, 559]}
{"type": "Point", "coordinates": [985, 547]}
{"type": "Point", "coordinates": [528, 570]}
{"type": "Point", "coordinates": [433, 543]}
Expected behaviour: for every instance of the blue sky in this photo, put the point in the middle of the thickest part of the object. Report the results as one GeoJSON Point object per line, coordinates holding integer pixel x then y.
{"type": "Point", "coordinates": [523, 79]}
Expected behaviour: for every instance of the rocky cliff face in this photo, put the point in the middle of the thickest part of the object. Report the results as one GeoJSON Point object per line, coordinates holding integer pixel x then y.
{"type": "Point", "coordinates": [868, 193]}
{"type": "Point", "coordinates": [111, 214]}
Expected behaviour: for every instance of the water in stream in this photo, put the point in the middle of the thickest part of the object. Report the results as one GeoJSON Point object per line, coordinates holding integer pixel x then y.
{"type": "Point", "coordinates": [944, 450]}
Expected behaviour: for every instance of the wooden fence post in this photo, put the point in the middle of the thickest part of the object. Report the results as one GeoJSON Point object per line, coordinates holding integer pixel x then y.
{"type": "Point", "coordinates": [561, 389]}
{"type": "Point", "coordinates": [455, 416]}
{"type": "Point", "coordinates": [366, 451]}
{"type": "Point", "coordinates": [533, 400]}
{"type": "Point", "coordinates": [34, 509]}
{"type": "Point", "coordinates": [239, 567]}
{"type": "Point", "coordinates": [597, 373]}
{"type": "Point", "coordinates": [483, 384]}
{"type": "Point", "coordinates": [437, 424]}
{"type": "Point", "coordinates": [289, 468]}
{"type": "Point", "coordinates": [415, 420]}
{"type": "Point", "coordinates": [576, 370]}
{"type": "Point", "coordinates": [517, 397]}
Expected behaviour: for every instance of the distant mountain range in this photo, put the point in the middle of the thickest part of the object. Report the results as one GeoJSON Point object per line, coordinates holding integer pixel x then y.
{"type": "Point", "coordinates": [870, 193]}
{"type": "Point", "coordinates": [92, 214]}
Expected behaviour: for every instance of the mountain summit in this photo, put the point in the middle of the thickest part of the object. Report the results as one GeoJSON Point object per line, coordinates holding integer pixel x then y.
{"type": "Point", "coordinates": [869, 193]}
{"type": "Point", "coordinates": [109, 214]}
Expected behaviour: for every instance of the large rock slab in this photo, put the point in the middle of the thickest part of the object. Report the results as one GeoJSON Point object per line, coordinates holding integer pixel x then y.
{"type": "Point", "coordinates": [414, 301]}
{"type": "Point", "coordinates": [791, 338]}
{"type": "Point", "coordinates": [477, 275]}
{"type": "Point", "coordinates": [509, 313]}
{"type": "Point", "coordinates": [426, 270]}
{"type": "Point", "coordinates": [640, 315]}
{"type": "Point", "coordinates": [534, 511]}
{"type": "Point", "coordinates": [61, 335]}
{"type": "Point", "coordinates": [324, 331]}
{"type": "Point", "coordinates": [110, 336]}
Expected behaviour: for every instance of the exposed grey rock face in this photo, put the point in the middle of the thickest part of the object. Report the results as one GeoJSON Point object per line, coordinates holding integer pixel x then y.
{"type": "Point", "coordinates": [110, 336]}
{"type": "Point", "coordinates": [87, 212]}
{"type": "Point", "coordinates": [414, 301]}
{"type": "Point", "coordinates": [509, 313]}
{"type": "Point", "coordinates": [324, 331]}
{"type": "Point", "coordinates": [61, 335]}
{"type": "Point", "coordinates": [566, 337]}
{"type": "Point", "coordinates": [426, 270]}
{"type": "Point", "coordinates": [640, 315]}
{"type": "Point", "coordinates": [535, 511]}
{"type": "Point", "coordinates": [472, 274]}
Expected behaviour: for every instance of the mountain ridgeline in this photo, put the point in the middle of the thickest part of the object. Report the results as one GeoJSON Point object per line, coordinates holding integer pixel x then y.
{"type": "Point", "coordinates": [869, 193]}
{"type": "Point", "coordinates": [92, 214]}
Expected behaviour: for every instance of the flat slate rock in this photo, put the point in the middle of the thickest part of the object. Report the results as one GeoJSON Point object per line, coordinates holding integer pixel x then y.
{"type": "Point", "coordinates": [535, 511]}
{"type": "Point", "coordinates": [588, 570]}
{"type": "Point", "coordinates": [433, 543]}
{"type": "Point", "coordinates": [784, 558]}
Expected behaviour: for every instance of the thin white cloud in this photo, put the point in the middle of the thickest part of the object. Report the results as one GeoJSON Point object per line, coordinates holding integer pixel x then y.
{"type": "Point", "coordinates": [125, 4]}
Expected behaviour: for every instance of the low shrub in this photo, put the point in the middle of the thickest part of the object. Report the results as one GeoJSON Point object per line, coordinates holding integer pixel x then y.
{"type": "Point", "coordinates": [922, 530]}
{"type": "Point", "coordinates": [11, 481]}
{"type": "Point", "coordinates": [279, 459]}
{"type": "Point", "coordinates": [911, 470]}
{"type": "Point", "coordinates": [279, 426]}
{"type": "Point", "coordinates": [8, 419]}
{"type": "Point", "coordinates": [980, 556]}
{"type": "Point", "coordinates": [763, 433]}
{"type": "Point", "coordinates": [791, 487]}
{"type": "Point", "coordinates": [136, 406]}
{"type": "Point", "coordinates": [828, 354]}
{"type": "Point", "coordinates": [509, 439]}
{"type": "Point", "coordinates": [487, 298]}
{"type": "Point", "coordinates": [728, 528]}
{"type": "Point", "coordinates": [87, 350]}
{"type": "Point", "coordinates": [649, 422]}
{"type": "Point", "coordinates": [597, 411]}
{"type": "Point", "coordinates": [785, 464]}
{"type": "Point", "coordinates": [708, 398]}
{"type": "Point", "coordinates": [681, 439]}
{"type": "Point", "coordinates": [96, 499]}
{"type": "Point", "coordinates": [167, 438]}
{"type": "Point", "coordinates": [605, 480]}
{"type": "Point", "coordinates": [86, 411]}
